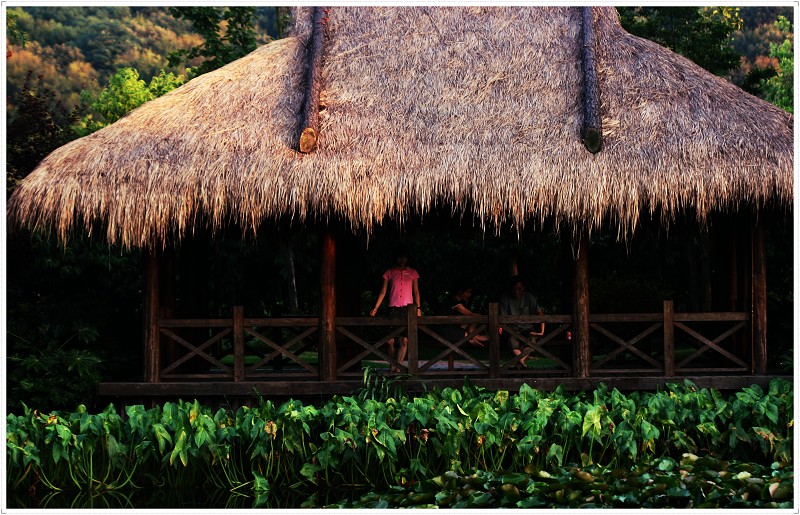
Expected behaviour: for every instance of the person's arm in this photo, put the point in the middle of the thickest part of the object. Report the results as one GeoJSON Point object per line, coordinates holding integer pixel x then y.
{"type": "Point", "coordinates": [541, 325]}
{"type": "Point", "coordinates": [415, 294]}
{"type": "Point", "coordinates": [461, 309]}
{"type": "Point", "coordinates": [381, 295]}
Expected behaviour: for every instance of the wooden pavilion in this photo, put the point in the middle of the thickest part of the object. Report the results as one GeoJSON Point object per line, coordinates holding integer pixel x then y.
{"type": "Point", "coordinates": [513, 116]}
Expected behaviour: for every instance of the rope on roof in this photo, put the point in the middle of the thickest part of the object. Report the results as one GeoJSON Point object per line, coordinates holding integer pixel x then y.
{"type": "Point", "coordinates": [310, 133]}
{"type": "Point", "coordinates": [592, 124]}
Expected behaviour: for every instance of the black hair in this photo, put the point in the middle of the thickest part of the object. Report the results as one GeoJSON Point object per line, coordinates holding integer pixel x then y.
{"type": "Point", "coordinates": [460, 286]}
{"type": "Point", "coordinates": [400, 251]}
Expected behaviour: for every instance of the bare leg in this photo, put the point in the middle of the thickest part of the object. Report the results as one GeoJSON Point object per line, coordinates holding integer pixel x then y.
{"type": "Point", "coordinates": [517, 351]}
{"type": "Point", "coordinates": [390, 345]}
{"type": "Point", "coordinates": [478, 339]}
{"type": "Point", "coordinates": [401, 352]}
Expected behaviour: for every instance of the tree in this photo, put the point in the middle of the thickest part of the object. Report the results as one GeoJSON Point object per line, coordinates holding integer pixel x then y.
{"type": "Point", "coordinates": [15, 35]}
{"type": "Point", "coordinates": [41, 124]}
{"type": "Point", "coordinates": [107, 39]}
{"type": "Point", "coordinates": [779, 89]}
{"type": "Point", "coordinates": [229, 34]}
{"type": "Point", "coordinates": [700, 34]}
{"type": "Point", "coordinates": [124, 93]}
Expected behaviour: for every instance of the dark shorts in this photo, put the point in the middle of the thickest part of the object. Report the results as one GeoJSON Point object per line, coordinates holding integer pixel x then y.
{"type": "Point", "coordinates": [518, 343]}
{"type": "Point", "coordinates": [397, 312]}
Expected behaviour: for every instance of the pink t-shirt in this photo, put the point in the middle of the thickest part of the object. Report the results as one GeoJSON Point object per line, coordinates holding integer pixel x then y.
{"type": "Point", "coordinates": [401, 286]}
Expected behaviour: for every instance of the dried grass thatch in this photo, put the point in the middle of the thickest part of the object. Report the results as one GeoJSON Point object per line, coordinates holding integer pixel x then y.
{"type": "Point", "coordinates": [470, 108]}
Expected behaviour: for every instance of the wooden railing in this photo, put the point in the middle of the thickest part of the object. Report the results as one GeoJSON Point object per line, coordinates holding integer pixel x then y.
{"type": "Point", "coordinates": [661, 344]}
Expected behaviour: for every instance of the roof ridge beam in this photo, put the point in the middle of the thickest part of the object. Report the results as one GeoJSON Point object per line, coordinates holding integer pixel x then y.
{"type": "Point", "coordinates": [592, 135]}
{"type": "Point", "coordinates": [310, 122]}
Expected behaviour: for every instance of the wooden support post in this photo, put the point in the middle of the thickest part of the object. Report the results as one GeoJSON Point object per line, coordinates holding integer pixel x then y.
{"type": "Point", "coordinates": [669, 338]}
{"type": "Point", "coordinates": [493, 328]}
{"type": "Point", "coordinates": [582, 355]}
{"type": "Point", "coordinates": [152, 339]}
{"type": "Point", "coordinates": [238, 343]}
{"type": "Point", "coordinates": [413, 338]}
{"type": "Point", "coordinates": [733, 272]}
{"type": "Point", "coordinates": [592, 121]}
{"type": "Point", "coordinates": [327, 318]}
{"type": "Point", "coordinates": [166, 301]}
{"type": "Point", "coordinates": [310, 123]}
{"type": "Point", "coordinates": [759, 261]}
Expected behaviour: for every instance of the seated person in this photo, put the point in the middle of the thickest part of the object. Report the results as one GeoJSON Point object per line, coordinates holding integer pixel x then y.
{"type": "Point", "coordinates": [456, 305]}
{"type": "Point", "coordinates": [518, 302]}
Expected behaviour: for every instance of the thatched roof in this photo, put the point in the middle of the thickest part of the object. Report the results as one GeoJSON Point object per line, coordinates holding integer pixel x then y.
{"type": "Point", "coordinates": [476, 109]}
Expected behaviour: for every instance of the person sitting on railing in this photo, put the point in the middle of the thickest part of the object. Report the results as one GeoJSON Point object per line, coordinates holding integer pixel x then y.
{"type": "Point", "coordinates": [456, 305]}
{"type": "Point", "coordinates": [402, 283]}
{"type": "Point", "coordinates": [518, 302]}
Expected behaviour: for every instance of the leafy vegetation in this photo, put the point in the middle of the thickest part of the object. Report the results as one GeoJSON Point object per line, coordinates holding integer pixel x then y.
{"type": "Point", "coordinates": [41, 126]}
{"type": "Point", "coordinates": [703, 34]}
{"type": "Point", "coordinates": [402, 441]}
{"type": "Point", "coordinates": [70, 310]}
{"type": "Point", "coordinates": [693, 482]}
{"type": "Point", "coordinates": [124, 93]}
{"type": "Point", "coordinates": [779, 89]}
{"type": "Point", "coordinates": [220, 46]}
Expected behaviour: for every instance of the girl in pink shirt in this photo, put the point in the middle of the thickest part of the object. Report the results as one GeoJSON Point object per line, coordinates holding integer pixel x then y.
{"type": "Point", "coordinates": [401, 282]}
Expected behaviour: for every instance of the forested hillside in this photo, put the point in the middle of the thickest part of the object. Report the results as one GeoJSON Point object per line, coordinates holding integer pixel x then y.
{"type": "Point", "coordinates": [754, 39]}
{"type": "Point", "coordinates": [80, 48]}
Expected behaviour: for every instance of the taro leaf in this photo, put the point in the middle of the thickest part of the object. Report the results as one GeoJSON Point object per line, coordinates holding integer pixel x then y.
{"type": "Point", "coordinates": [179, 450]}
{"type": "Point", "coordinates": [532, 502]}
{"type": "Point", "coordinates": [667, 464]}
{"type": "Point", "coordinates": [591, 421]}
{"type": "Point", "coordinates": [87, 422]}
{"type": "Point", "coordinates": [427, 485]}
{"type": "Point", "coordinates": [688, 459]}
{"type": "Point", "coordinates": [260, 483]}
{"type": "Point", "coordinates": [445, 498]}
{"type": "Point", "coordinates": [501, 397]}
{"type": "Point", "coordinates": [708, 462]}
{"type": "Point", "coordinates": [555, 451]}
{"type": "Point", "coordinates": [780, 491]}
{"type": "Point", "coordinates": [162, 435]}
{"type": "Point", "coordinates": [510, 492]}
{"type": "Point", "coordinates": [678, 492]}
{"type": "Point", "coordinates": [309, 471]}
{"type": "Point", "coordinates": [738, 434]}
{"type": "Point", "coordinates": [514, 479]}
{"type": "Point", "coordinates": [418, 499]}
{"type": "Point", "coordinates": [627, 499]}
{"type": "Point", "coordinates": [201, 436]}
{"type": "Point", "coordinates": [480, 499]}
{"type": "Point", "coordinates": [260, 501]}
{"type": "Point", "coordinates": [649, 431]}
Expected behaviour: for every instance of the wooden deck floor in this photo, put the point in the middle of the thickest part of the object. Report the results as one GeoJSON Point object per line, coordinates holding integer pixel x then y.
{"type": "Point", "coordinates": [139, 391]}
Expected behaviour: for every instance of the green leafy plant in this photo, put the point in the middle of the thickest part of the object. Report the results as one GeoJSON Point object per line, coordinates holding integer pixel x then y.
{"type": "Point", "coordinates": [400, 442]}
{"type": "Point", "coordinates": [124, 93]}
{"type": "Point", "coordinates": [228, 32]}
{"type": "Point", "coordinates": [779, 89]}
{"type": "Point", "coordinates": [51, 372]}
